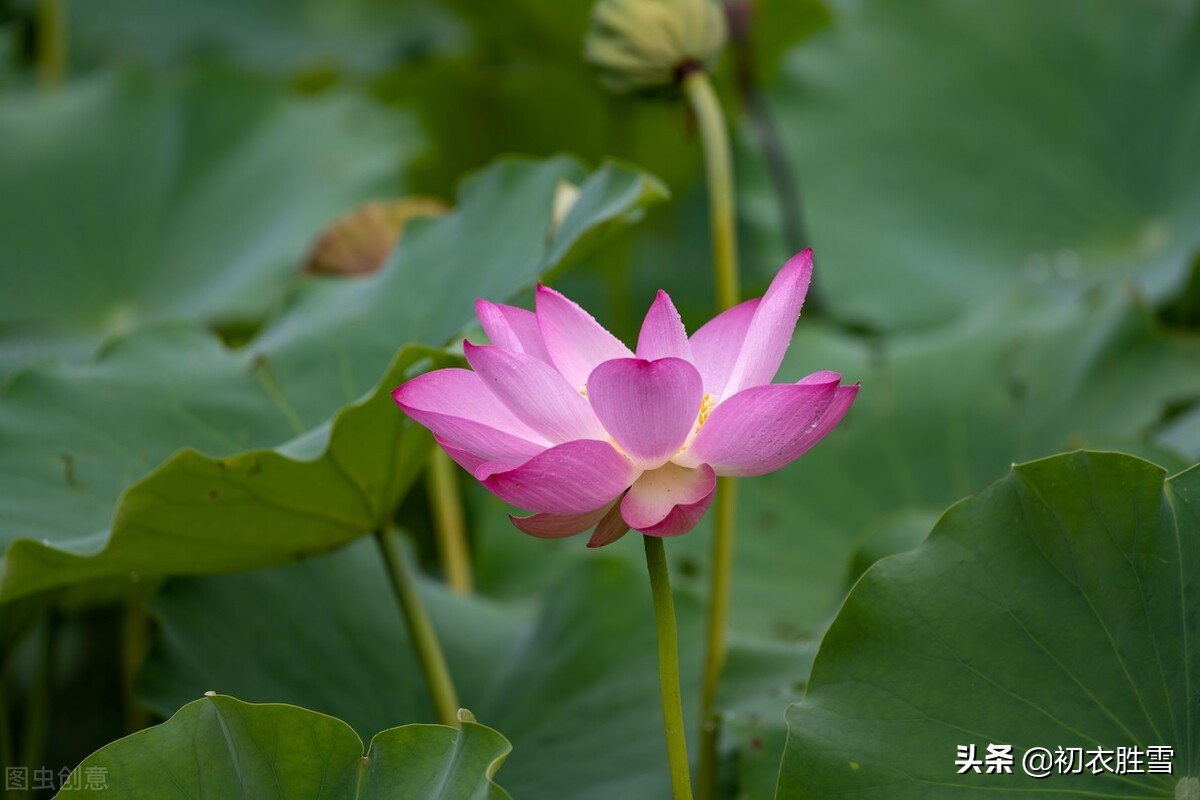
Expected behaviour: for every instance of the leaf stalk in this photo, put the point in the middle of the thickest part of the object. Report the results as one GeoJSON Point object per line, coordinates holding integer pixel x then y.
{"type": "Point", "coordinates": [51, 43]}
{"type": "Point", "coordinates": [445, 497]}
{"type": "Point", "coordinates": [420, 630]}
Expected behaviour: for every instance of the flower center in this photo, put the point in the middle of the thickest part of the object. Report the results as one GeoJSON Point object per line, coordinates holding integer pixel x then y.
{"type": "Point", "coordinates": [707, 404]}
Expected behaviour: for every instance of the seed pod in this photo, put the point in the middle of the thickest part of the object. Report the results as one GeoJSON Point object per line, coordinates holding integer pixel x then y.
{"type": "Point", "coordinates": [359, 242]}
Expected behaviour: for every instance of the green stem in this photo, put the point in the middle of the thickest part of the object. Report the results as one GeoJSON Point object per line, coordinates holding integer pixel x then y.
{"type": "Point", "coordinates": [37, 712]}
{"type": "Point", "coordinates": [7, 756]}
{"type": "Point", "coordinates": [774, 154]}
{"type": "Point", "coordinates": [51, 43]}
{"type": "Point", "coordinates": [718, 165]}
{"type": "Point", "coordinates": [668, 667]}
{"type": "Point", "coordinates": [718, 621]}
{"type": "Point", "coordinates": [420, 630]}
{"type": "Point", "coordinates": [135, 642]}
{"type": "Point", "coordinates": [446, 499]}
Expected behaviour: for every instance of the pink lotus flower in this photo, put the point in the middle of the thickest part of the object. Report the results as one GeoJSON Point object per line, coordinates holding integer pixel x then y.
{"type": "Point", "coordinates": [561, 418]}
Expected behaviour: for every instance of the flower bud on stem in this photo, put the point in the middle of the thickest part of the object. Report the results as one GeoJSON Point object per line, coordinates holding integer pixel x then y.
{"type": "Point", "coordinates": [640, 45]}
{"type": "Point", "coordinates": [718, 165]}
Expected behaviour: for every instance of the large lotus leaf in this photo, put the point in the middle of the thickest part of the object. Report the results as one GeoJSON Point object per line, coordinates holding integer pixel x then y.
{"type": "Point", "coordinates": [221, 747]}
{"type": "Point", "coordinates": [128, 199]}
{"type": "Point", "coordinates": [268, 35]}
{"type": "Point", "coordinates": [190, 512]}
{"type": "Point", "coordinates": [77, 440]}
{"type": "Point", "coordinates": [1055, 609]}
{"type": "Point", "coordinates": [947, 149]}
{"type": "Point", "coordinates": [940, 414]}
{"type": "Point", "coordinates": [572, 680]}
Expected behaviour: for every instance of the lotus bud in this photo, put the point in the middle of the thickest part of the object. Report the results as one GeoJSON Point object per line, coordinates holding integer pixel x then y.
{"type": "Point", "coordinates": [649, 44]}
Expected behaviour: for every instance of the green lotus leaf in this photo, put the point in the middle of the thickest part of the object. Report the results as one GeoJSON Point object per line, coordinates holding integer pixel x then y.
{"type": "Point", "coordinates": [1054, 610]}
{"type": "Point", "coordinates": [131, 199]}
{"type": "Point", "coordinates": [947, 150]}
{"type": "Point", "coordinates": [219, 746]}
{"type": "Point", "coordinates": [171, 453]}
{"type": "Point", "coordinates": [572, 679]}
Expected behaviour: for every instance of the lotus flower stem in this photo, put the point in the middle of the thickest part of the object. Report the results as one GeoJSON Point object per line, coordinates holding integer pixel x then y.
{"type": "Point", "coordinates": [668, 667]}
{"type": "Point", "coordinates": [420, 630]}
{"type": "Point", "coordinates": [718, 619]}
{"type": "Point", "coordinates": [39, 708]}
{"type": "Point", "coordinates": [446, 500]}
{"type": "Point", "coordinates": [719, 170]}
{"type": "Point", "coordinates": [718, 167]}
{"type": "Point", "coordinates": [7, 756]}
{"type": "Point", "coordinates": [51, 43]}
{"type": "Point", "coordinates": [135, 643]}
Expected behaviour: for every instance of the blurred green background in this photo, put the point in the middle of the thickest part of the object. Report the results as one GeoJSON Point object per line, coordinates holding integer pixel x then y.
{"type": "Point", "coordinates": [1003, 199]}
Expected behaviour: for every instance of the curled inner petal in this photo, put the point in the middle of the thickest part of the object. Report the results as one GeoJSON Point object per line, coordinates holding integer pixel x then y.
{"type": "Point", "coordinates": [649, 407]}
{"type": "Point", "coordinates": [669, 500]}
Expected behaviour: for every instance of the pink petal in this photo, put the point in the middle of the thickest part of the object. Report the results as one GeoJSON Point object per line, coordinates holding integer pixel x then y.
{"type": "Point", "coordinates": [489, 468]}
{"type": "Point", "coordinates": [481, 468]}
{"type": "Point", "coordinates": [663, 334]}
{"type": "Point", "coordinates": [535, 393]}
{"type": "Point", "coordinates": [715, 347]}
{"type": "Point", "coordinates": [571, 478]}
{"type": "Point", "coordinates": [464, 458]}
{"type": "Point", "coordinates": [819, 378]}
{"type": "Point", "coordinates": [512, 328]}
{"type": "Point", "coordinates": [681, 519]}
{"type": "Point", "coordinates": [610, 528]}
{"type": "Point", "coordinates": [458, 407]}
{"type": "Point", "coordinates": [770, 331]}
{"type": "Point", "coordinates": [459, 393]}
{"type": "Point", "coordinates": [559, 526]}
{"type": "Point", "coordinates": [649, 407]}
{"type": "Point", "coordinates": [763, 428]}
{"type": "Point", "coordinates": [670, 500]}
{"type": "Point", "coordinates": [575, 341]}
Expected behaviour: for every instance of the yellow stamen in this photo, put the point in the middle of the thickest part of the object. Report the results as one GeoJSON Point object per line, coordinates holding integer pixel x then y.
{"type": "Point", "coordinates": [706, 406]}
